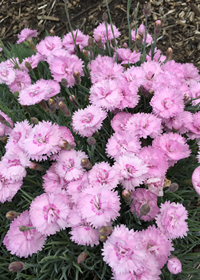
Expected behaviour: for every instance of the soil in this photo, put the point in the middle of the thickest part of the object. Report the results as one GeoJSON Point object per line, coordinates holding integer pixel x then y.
{"type": "Point", "coordinates": [180, 28]}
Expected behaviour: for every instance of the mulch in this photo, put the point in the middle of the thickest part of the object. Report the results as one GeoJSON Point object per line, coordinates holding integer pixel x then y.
{"type": "Point", "coordinates": [180, 27]}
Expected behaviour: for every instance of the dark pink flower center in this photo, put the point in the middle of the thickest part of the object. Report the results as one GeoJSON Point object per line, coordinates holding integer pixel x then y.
{"type": "Point", "coordinates": [40, 140]}
{"type": "Point", "coordinates": [4, 73]}
{"type": "Point", "coordinates": [96, 204]}
{"type": "Point", "coordinates": [102, 175]}
{"type": "Point", "coordinates": [51, 213]}
{"type": "Point", "coordinates": [13, 162]}
{"type": "Point", "coordinates": [122, 251]}
{"type": "Point", "coordinates": [29, 234]}
{"type": "Point", "coordinates": [16, 137]}
{"type": "Point", "coordinates": [131, 169]}
{"type": "Point", "coordinates": [87, 118]}
{"type": "Point", "coordinates": [167, 103]}
{"type": "Point", "coordinates": [36, 91]}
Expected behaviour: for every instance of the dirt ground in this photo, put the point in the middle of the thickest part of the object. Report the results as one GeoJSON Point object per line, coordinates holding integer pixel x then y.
{"type": "Point", "coordinates": [180, 28]}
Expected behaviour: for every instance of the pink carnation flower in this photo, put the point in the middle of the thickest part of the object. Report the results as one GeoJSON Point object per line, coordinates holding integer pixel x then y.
{"type": "Point", "coordinates": [155, 185]}
{"type": "Point", "coordinates": [141, 30]}
{"type": "Point", "coordinates": [22, 80]}
{"type": "Point", "coordinates": [171, 220]}
{"type": "Point", "coordinates": [103, 175]}
{"type": "Point", "coordinates": [48, 45]}
{"type": "Point", "coordinates": [151, 68]}
{"type": "Point", "coordinates": [102, 33]}
{"type": "Point", "coordinates": [66, 136]}
{"type": "Point", "coordinates": [121, 144]}
{"type": "Point", "coordinates": [26, 243]}
{"type": "Point", "coordinates": [125, 56]}
{"type": "Point", "coordinates": [123, 251]}
{"type": "Point", "coordinates": [132, 171]}
{"type": "Point", "coordinates": [80, 39]}
{"type": "Point", "coordinates": [54, 89]}
{"type": "Point", "coordinates": [87, 121]}
{"type": "Point", "coordinates": [140, 197]}
{"type": "Point", "coordinates": [4, 129]}
{"type": "Point", "coordinates": [7, 75]}
{"type": "Point", "coordinates": [98, 206]}
{"type": "Point", "coordinates": [26, 35]}
{"type": "Point", "coordinates": [8, 188]}
{"type": "Point", "coordinates": [192, 123]}
{"type": "Point", "coordinates": [174, 265]}
{"type": "Point", "coordinates": [196, 180]}
{"type": "Point", "coordinates": [49, 213]}
{"type": "Point", "coordinates": [157, 56]}
{"type": "Point", "coordinates": [75, 188]}
{"type": "Point", "coordinates": [84, 234]}
{"type": "Point", "coordinates": [33, 60]}
{"type": "Point", "coordinates": [143, 125]}
{"type": "Point", "coordinates": [179, 122]}
{"type": "Point", "coordinates": [119, 121]}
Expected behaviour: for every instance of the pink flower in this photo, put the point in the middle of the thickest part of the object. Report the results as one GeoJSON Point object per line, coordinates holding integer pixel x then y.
{"type": "Point", "coordinates": [54, 89]}
{"type": "Point", "coordinates": [167, 102]}
{"type": "Point", "coordinates": [119, 121]}
{"type": "Point", "coordinates": [66, 136]}
{"type": "Point", "coordinates": [48, 45]}
{"type": "Point", "coordinates": [4, 128]}
{"type": "Point", "coordinates": [75, 188]}
{"type": "Point", "coordinates": [171, 219]}
{"type": "Point", "coordinates": [141, 30]}
{"type": "Point", "coordinates": [174, 265]}
{"type": "Point", "coordinates": [102, 33]}
{"type": "Point", "coordinates": [26, 35]}
{"type": "Point", "coordinates": [122, 143]}
{"type": "Point", "coordinates": [151, 68]}
{"type": "Point", "coordinates": [123, 251]}
{"type": "Point", "coordinates": [49, 213]}
{"type": "Point", "coordinates": [69, 166]}
{"type": "Point", "coordinates": [143, 125]}
{"type": "Point", "coordinates": [8, 188]}
{"type": "Point", "coordinates": [98, 206]}
{"type": "Point", "coordinates": [132, 170]}
{"type": "Point", "coordinates": [157, 244]}
{"type": "Point", "coordinates": [81, 41]}
{"type": "Point", "coordinates": [26, 243]}
{"type": "Point", "coordinates": [196, 180]}
{"type": "Point", "coordinates": [125, 56]}
{"type": "Point", "coordinates": [87, 121]}
{"type": "Point", "coordinates": [22, 80]}
{"type": "Point", "coordinates": [103, 175]}
{"type": "Point", "coordinates": [7, 75]}
{"type": "Point", "coordinates": [192, 123]}
{"type": "Point", "coordinates": [84, 234]}
{"type": "Point", "coordinates": [33, 60]}
{"type": "Point", "coordinates": [179, 123]}
{"type": "Point", "coordinates": [157, 56]}
{"type": "Point", "coordinates": [155, 185]}
{"type": "Point", "coordinates": [142, 197]}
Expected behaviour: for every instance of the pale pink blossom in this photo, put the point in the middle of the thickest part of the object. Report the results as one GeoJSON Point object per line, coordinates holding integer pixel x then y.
{"type": "Point", "coordinates": [104, 33]}
{"type": "Point", "coordinates": [125, 56]}
{"type": "Point", "coordinates": [155, 185]}
{"type": "Point", "coordinates": [141, 31]}
{"type": "Point", "coordinates": [84, 234]}
{"type": "Point", "coordinates": [8, 188]}
{"type": "Point", "coordinates": [26, 35]}
{"type": "Point", "coordinates": [7, 75]}
{"type": "Point", "coordinates": [32, 60]}
{"type": "Point", "coordinates": [48, 45]}
{"type": "Point", "coordinates": [174, 265]}
{"type": "Point", "coordinates": [81, 41]}
{"type": "Point", "coordinates": [75, 188]}
{"type": "Point", "coordinates": [4, 128]}
{"type": "Point", "coordinates": [196, 179]}
{"type": "Point", "coordinates": [22, 80]}
{"type": "Point", "coordinates": [119, 121]}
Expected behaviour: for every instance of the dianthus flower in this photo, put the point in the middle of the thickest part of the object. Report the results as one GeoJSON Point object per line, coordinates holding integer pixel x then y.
{"type": "Point", "coordinates": [75, 188]}
{"type": "Point", "coordinates": [140, 197]}
{"type": "Point", "coordinates": [4, 129]}
{"type": "Point", "coordinates": [86, 121]}
{"type": "Point", "coordinates": [134, 76]}
{"type": "Point", "coordinates": [125, 56]}
{"type": "Point", "coordinates": [103, 175]}
{"type": "Point", "coordinates": [66, 136]}
{"type": "Point", "coordinates": [32, 60]}
{"type": "Point", "coordinates": [123, 251]}
{"type": "Point", "coordinates": [174, 265]}
{"type": "Point", "coordinates": [64, 65]}
{"type": "Point", "coordinates": [173, 145]}
{"type": "Point", "coordinates": [7, 75]}
{"type": "Point", "coordinates": [143, 125]}
{"type": "Point", "coordinates": [81, 41]}
{"type": "Point", "coordinates": [26, 243]}
{"type": "Point", "coordinates": [26, 35]}
{"type": "Point", "coordinates": [122, 143]}
{"type": "Point", "coordinates": [103, 68]}
{"type": "Point", "coordinates": [151, 68]}
{"type": "Point", "coordinates": [48, 45]}
{"type": "Point", "coordinates": [49, 212]}
{"type": "Point", "coordinates": [192, 123]}
{"type": "Point", "coordinates": [157, 56]}
{"type": "Point", "coordinates": [195, 93]}
{"type": "Point", "coordinates": [119, 121]}
{"type": "Point", "coordinates": [43, 140]}
{"type": "Point", "coordinates": [171, 220]}
{"type": "Point", "coordinates": [98, 206]}
{"type": "Point", "coordinates": [69, 166]}
{"type": "Point", "coordinates": [155, 185]}
{"type": "Point", "coordinates": [22, 80]}
{"type": "Point", "coordinates": [84, 234]}
{"type": "Point", "coordinates": [157, 244]}
{"type": "Point", "coordinates": [132, 171]}
{"type": "Point", "coordinates": [196, 179]}
{"type": "Point", "coordinates": [8, 188]}
{"type": "Point", "coordinates": [179, 122]}
{"type": "Point", "coordinates": [104, 33]}
{"type": "Point", "coordinates": [141, 31]}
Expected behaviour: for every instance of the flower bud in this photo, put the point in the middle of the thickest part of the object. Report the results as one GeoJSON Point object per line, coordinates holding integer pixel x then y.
{"type": "Point", "coordinates": [15, 266]}
{"type": "Point", "coordinates": [105, 231]}
{"type": "Point", "coordinates": [52, 105]}
{"type": "Point", "coordinates": [174, 265]}
{"type": "Point", "coordinates": [138, 40]}
{"type": "Point", "coordinates": [77, 77]}
{"type": "Point", "coordinates": [52, 33]}
{"type": "Point", "coordinates": [63, 144]}
{"type": "Point", "coordinates": [4, 139]}
{"type": "Point", "coordinates": [36, 166]}
{"type": "Point", "coordinates": [173, 187]}
{"type": "Point", "coordinates": [144, 209]}
{"type": "Point", "coordinates": [73, 100]}
{"type": "Point", "coordinates": [11, 215]}
{"type": "Point", "coordinates": [44, 106]}
{"type": "Point", "coordinates": [82, 257]}
{"type": "Point", "coordinates": [169, 53]}
{"type": "Point", "coordinates": [2, 119]}
{"type": "Point", "coordinates": [90, 43]}
{"type": "Point", "coordinates": [157, 27]}
{"type": "Point", "coordinates": [64, 109]}
{"type": "Point", "coordinates": [147, 9]}
{"type": "Point", "coordinates": [105, 17]}
{"type": "Point", "coordinates": [64, 82]}
{"type": "Point", "coordinates": [126, 196]}
{"type": "Point", "coordinates": [86, 54]}
{"type": "Point", "coordinates": [86, 163]}
{"type": "Point", "coordinates": [100, 44]}
{"type": "Point", "coordinates": [34, 120]}
{"type": "Point", "coordinates": [91, 141]}
{"type": "Point", "coordinates": [28, 66]}
{"type": "Point", "coordinates": [102, 238]}
{"type": "Point", "coordinates": [125, 45]}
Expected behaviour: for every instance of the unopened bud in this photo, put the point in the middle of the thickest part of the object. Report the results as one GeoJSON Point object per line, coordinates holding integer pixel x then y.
{"type": "Point", "coordinates": [2, 119]}
{"type": "Point", "coordinates": [73, 100]}
{"type": "Point", "coordinates": [90, 43]}
{"type": "Point", "coordinates": [82, 257]}
{"type": "Point", "coordinates": [36, 166]}
{"type": "Point", "coordinates": [86, 163]}
{"type": "Point", "coordinates": [34, 120]}
{"type": "Point", "coordinates": [106, 230]}
{"type": "Point", "coordinates": [147, 9]}
{"type": "Point", "coordinates": [100, 44]}
{"type": "Point", "coordinates": [15, 266]}
{"type": "Point", "coordinates": [87, 97]}
{"type": "Point", "coordinates": [126, 196]}
{"type": "Point", "coordinates": [125, 45]}
{"type": "Point", "coordinates": [105, 16]}
{"type": "Point", "coordinates": [64, 109]}
{"type": "Point", "coordinates": [169, 53]}
{"type": "Point", "coordinates": [138, 40]}
{"type": "Point", "coordinates": [28, 66]}
{"type": "Point", "coordinates": [102, 238]}
{"type": "Point", "coordinates": [44, 106]}
{"type": "Point", "coordinates": [173, 187]}
{"type": "Point", "coordinates": [52, 33]}
{"type": "Point", "coordinates": [24, 228]}
{"type": "Point", "coordinates": [4, 139]}
{"type": "Point", "coordinates": [157, 27]}
{"type": "Point", "coordinates": [52, 105]}
{"type": "Point", "coordinates": [145, 209]}
{"type": "Point", "coordinates": [11, 215]}
{"type": "Point", "coordinates": [64, 82]}
{"type": "Point", "coordinates": [63, 144]}
{"type": "Point", "coordinates": [91, 141]}
{"type": "Point", "coordinates": [86, 54]}
{"type": "Point", "coordinates": [77, 77]}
